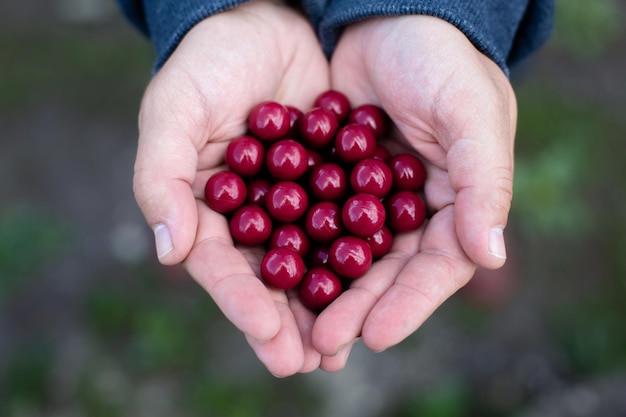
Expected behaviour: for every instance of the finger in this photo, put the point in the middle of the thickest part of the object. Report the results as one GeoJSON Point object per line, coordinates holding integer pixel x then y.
{"type": "Point", "coordinates": [481, 173]}
{"type": "Point", "coordinates": [437, 188]}
{"type": "Point", "coordinates": [165, 168]}
{"type": "Point", "coordinates": [162, 187]}
{"type": "Point", "coordinates": [424, 283]}
{"type": "Point", "coordinates": [300, 88]}
{"type": "Point", "coordinates": [338, 361]}
{"type": "Point", "coordinates": [481, 196]}
{"type": "Point", "coordinates": [480, 162]}
{"type": "Point", "coordinates": [305, 319]}
{"type": "Point", "coordinates": [341, 322]}
{"type": "Point", "coordinates": [226, 275]}
{"type": "Point", "coordinates": [283, 355]}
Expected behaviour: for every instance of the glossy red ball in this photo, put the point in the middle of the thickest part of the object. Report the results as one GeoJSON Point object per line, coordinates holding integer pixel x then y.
{"type": "Point", "coordinates": [286, 201]}
{"type": "Point", "coordinates": [382, 153]}
{"type": "Point", "coordinates": [318, 256]}
{"type": "Point", "coordinates": [287, 160]}
{"type": "Point", "coordinates": [354, 142]}
{"type": "Point", "coordinates": [269, 120]}
{"type": "Point", "coordinates": [408, 172]}
{"type": "Point", "coordinates": [371, 116]}
{"type": "Point", "coordinates": [350, 257]}
{"type": "Point", "coordinates": [406, 211]}
{"type": "Point", "coordinates": [225, 191]}
{"type": "Point", "coordinates": [318, 127]}
{"type": "Point", "coordinates": [282, 268]}
{"type": "Point", "coordinates": [363, 214]}
{"type": "Point", "coordinates": [319, 287]}
{"type": "Point", "coordinates": [250, 225]}
{"type": "Point", "coordinates": [295, 114]}
{"type": "Point", "coordinates": [380, 242]}
{"type": "Point", "coordinates": [323, 222]}
{"type": "Point", "coordinates": [328, 182]}
{"type": "Point", "coordinates": [334, 101]}
{"type": "Point", "coordinates": [314, 158]}
{"type": "Point", "coordinates": [371, 176]}
{"type": "Point", "coordinates": [290, 236]}
{"type": "Point", "coordinates": [257, 190]}
{"type": "Point", "coordinates": [245, 156]}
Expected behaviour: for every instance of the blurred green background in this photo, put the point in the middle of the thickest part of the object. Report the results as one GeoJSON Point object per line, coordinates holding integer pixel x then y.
{"type": "Point", "coordinates": [90, 325]}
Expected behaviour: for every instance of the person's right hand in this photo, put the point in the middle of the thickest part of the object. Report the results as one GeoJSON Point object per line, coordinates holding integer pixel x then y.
{"type": "Point", "coordinates": [194, 105]}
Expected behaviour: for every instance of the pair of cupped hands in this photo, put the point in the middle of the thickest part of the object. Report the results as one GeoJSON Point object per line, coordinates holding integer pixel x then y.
{"type": "Point", "coordinates": [447, 101]}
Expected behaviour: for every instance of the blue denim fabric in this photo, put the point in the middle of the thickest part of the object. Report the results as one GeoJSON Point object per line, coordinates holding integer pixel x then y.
{"type": "Point", "coordinates": [165, 22]}
{"type": "Point", "coordinates": [505, 30]}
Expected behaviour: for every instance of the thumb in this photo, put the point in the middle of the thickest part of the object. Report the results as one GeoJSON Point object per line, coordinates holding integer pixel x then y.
{"type": "Point", "coordinates": [481, 134]}
{"type": "Point", "coordinates": [481, 173]}
{"type": "Point", "coordinates": [165, 167]}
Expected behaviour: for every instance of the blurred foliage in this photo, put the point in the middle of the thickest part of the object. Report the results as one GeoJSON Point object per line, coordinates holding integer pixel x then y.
{"type": "Point", "coordinates": [96, 401]}
{"type": "Point", "coordinates": [29, 237]}
{"type": "Point", "coordinates": [590, 335]}
{"type": "Point", "coordinates": [109, 313]}
{"type": "Point", "coordinates": [568, 146]}
{"type": "Point", "coordinates": [153, 325]}
{"type": "Point", "coordinates": [26, 382]}
{"type": "Point", "coordinates": [556, 155]}
{"type": "Point", "coordinates": [211, 395]}
{"type": "Point", "coordinates": [450, 398]}
{"type": "Point", "coordinates": [162, 339]}
{"type": "Point", "coordinates": [162, 326]}
{"type": "Point", "coordinates": [45, 63]}
{"type": "Point", "coordinates": [585, 28]}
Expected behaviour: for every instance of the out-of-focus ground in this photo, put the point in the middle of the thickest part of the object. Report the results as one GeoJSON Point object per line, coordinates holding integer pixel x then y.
{"type": "Point", "coordinates": [90, 325]}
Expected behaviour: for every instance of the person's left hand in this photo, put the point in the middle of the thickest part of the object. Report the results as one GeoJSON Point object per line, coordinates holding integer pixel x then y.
{"type": "Point", "coordinates": [455, 107]}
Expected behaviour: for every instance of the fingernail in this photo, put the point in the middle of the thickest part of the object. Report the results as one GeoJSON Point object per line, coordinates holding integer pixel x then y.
{"type": "Point", "coordinates": [496, 243]}
{"type": "Point", "coordinates": [163, 239]}
{"type": "Point", "coordinates": [344, 352]}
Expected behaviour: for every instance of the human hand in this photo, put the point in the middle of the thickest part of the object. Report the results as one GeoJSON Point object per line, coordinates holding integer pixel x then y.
{"type": "Point", "coordinates": [456, 108]}
{"type": "Point", "coordinates": [195, 104]}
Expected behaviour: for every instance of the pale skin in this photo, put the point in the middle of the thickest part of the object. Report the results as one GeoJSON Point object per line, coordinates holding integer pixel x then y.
{"type": "Point", "coordinates": [450, 103]}
{"type": "Point", "coordinates": [456, 108]}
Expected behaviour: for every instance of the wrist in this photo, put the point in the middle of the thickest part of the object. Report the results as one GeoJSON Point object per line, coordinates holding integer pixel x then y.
{"type": "Point", "coordinates": [168, 21]}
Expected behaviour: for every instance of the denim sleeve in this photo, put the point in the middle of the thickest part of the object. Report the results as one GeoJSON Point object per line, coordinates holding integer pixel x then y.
{"type": "Point", "coordinates": [505, 30]}
{"type": "Point", "coordinates": [165, 22]}
{"type": "Point", "coordinates": [133, 11]}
